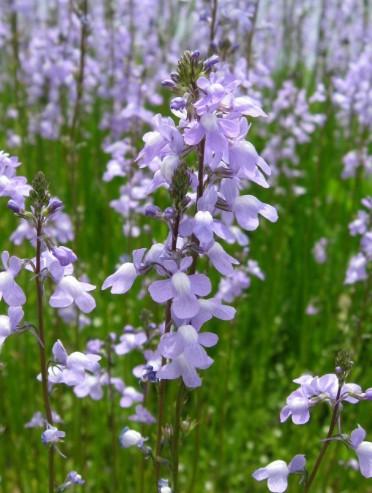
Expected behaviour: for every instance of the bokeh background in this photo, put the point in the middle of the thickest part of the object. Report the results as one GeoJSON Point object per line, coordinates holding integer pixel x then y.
{"type": "Point", "coordinates": [78, 77]}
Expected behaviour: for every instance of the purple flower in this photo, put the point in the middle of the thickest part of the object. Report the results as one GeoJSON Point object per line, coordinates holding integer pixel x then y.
{"type": "Point", "coordinates": [363, 450]}
{"type": "Point", "coordinates": [163, 486]}
{"type": "Point", "coordinates": [129, 396]}
{"type": "Point", "coordinates": [9, 289]}
{"type": "Point", "coordinates": [70, 290]}
{"type": "Point", "coordinates": [12, 186]}
{"type": "Point", "coordinates": [297, 407]}
{"type": "Point", "coordinates": [64, 255]}
{"type": "Point", "coordinates": [216, 132]}
{"type": "Point", "coordinates": [277, 473]}
{"type": "Point", "coordinates": [14, 207]}
{"type": "Point", "coordinates": [130, 340]}
{"type": "Point", "coordinates": [122, 280]}
{"type": "Point", "coordinates": [209, 308]}
{"type": "Point", "coordinates": [9, 324]}
{"type": "Point", "coordinates": [142, 415]}
{"type": "Point", "coordinates": [357, 269]}
{"type": "Point", "coordinates": [52, 435]}
{"type": "Point", "coordinates": [221, 260]}
{"type": "Point", "coordinates": [39, 421]}
{"type": "Point", "coordinates": [186, 349]}
{"type": "Point", "coordinates": [54, 205]}
{"type": "Point", "coordinates": [314, 390]}
{"type": "Point", "coordinates": [183, 290]}
{"type": "Point", "coordinates": [247, 208]}
{"type": "Point", "coordinates": [70, 369]}
{"type": "Point", "coordinates": [91, 386]}
{"type": "Point", "coordinates": [131, 438]}
{"type": "Point", "coordinates": [74, 478]}
{"type": "Point", "coordinates": [320, 250]}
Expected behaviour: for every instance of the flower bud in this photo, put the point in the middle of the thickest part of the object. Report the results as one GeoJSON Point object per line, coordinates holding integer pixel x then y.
{"type": "Point", "coordinates": [131, 438]}
{"type": "Point", "coordinates": [14, 207]}
{"type": "Point", "coordinates": [209, 62]}
{"type": "Point", "coordinates": [54, 205]}
{"type": "Point", "coordinates": [175, 77]}
{"type": "Point", "coordinates": [64, 255]}
{"type": "Point", "coordinates": [168, 83]}
{"type": "Point", "coordinates": [152, 211]}
{"type": "Point", "coordinates": [177, 104]}
{"type": "Point", "coordinates": [368, 394]}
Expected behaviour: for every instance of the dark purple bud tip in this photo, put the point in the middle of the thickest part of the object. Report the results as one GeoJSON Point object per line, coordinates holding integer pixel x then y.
{"type": "Point", "coordinates": [175, 77]}
{"type": "Point", "coordinates": [168, 83]}
{"type": "Point", "coordinates": [54, 205]}
{"type": "Point", "coordinates": [195, 55]}
{"type": "Point", "coordinates": [209, 62]}
{"type": "Point", "coordinates": [152, 211]}
{"type": "Point", "coordinates": [169, 213]}
{"type": "Point", "coordinates": [177, 104]}
{"type": "Point", "coordinates": [14, 207]}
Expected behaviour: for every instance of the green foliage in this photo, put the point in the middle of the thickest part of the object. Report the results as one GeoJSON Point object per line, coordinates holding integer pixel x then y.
{"type": "Point", "coordinates": [235, 426]}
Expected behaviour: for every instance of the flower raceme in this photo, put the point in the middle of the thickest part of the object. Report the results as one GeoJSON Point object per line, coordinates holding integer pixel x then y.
{"type": "Point", "coordinates": [313, 390]}
{"type": "Point", "coordinates": [207, 207]}
{"type": "Point", "coordinates": [333, 389]}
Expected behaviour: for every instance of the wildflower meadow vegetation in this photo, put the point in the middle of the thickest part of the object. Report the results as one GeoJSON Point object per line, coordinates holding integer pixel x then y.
{"type": "Point", "coordinates": [186, 246]}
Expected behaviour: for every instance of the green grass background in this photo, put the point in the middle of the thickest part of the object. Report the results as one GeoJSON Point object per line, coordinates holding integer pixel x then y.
{"type": "Point", "coordinates": [232, 422]}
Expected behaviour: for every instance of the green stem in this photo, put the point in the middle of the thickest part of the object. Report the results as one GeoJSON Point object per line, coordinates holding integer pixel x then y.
{"type": "Point", "coordinates": [42, 350]}
{"type": "Point", "coordinates": [161, 395]}
{"type": "Point", "coordinates": [196, 454]}
{"type": "Point", "coordinates": [74, 134]}
{"type": "Point", "coordinates": [112, 419]}
{"type": "Point", "coordinates": [212, 32]}
{"type": "Point", "coordinates": [176, 436]}
{"type": "Point", "coordinates": [326, 442]}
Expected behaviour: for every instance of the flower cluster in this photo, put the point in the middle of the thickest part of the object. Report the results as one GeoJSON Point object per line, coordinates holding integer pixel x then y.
{"type": "Point", "coordinates": [207, 207]}
{"type": "Point", "coordinates": [333, 389]}
{"type": "Point", "coordinates": [357, 269]}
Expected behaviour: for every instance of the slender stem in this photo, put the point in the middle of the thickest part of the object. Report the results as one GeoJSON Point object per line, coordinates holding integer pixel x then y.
{"type": "Point", "coordinates": [42, 350]}
{"type": "Point", "coordinates": [177, 424]}
{"type": "Point", "coordinates": [161, 396]}
{"type": "Point", "coordinates": [196, 451]}
{"type": "Point", "coordinates": [141, 482]}
{"type": "Point", "coordinates": [334, 419]}
{"type": "Point", "coordinates": [199, 193]}
{"type": "Point", "coordinates": [74, 135]}
{"type": "Point", "coordinates": [251, 34]}
{"type": "Point", "coordinates": [176, 436]}
{"type": "Point", "coordinates": [111, 417]}
{"type": "Point", "coordinates": [212, 32]}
